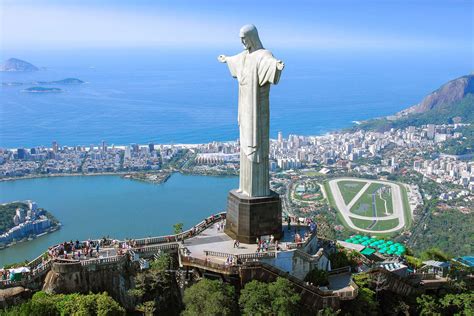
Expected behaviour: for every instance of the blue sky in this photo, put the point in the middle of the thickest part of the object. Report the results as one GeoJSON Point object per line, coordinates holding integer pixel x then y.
{"type": "Point", "coordinates": [334, 24]}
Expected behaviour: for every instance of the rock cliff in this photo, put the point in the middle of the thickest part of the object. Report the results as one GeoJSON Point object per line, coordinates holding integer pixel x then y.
{"type": "Point", "coordinates": [449, 93]}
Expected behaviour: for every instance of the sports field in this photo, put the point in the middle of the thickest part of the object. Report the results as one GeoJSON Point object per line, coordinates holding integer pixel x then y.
{"type": "Point", "coordinates": [369, 205]}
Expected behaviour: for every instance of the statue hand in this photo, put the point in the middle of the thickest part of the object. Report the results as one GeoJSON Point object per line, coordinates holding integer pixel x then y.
{"type": "Point", "coordinates": [280, 65]}
{"type": "Point", "coordinates": [222, 58]}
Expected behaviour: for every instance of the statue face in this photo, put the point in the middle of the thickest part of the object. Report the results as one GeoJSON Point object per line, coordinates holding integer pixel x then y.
{"type": "Point", "coordinates": [245, 42]}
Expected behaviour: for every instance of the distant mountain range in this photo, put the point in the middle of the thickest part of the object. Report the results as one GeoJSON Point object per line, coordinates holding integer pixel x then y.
{"type": "Point", "coordinates": [17, 65]}
{"type": "Point", "coordinates": [453, 102]}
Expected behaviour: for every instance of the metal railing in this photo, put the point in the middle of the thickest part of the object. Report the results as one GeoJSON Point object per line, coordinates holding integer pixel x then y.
{"type": "Point", "coordinates": [207, 264]}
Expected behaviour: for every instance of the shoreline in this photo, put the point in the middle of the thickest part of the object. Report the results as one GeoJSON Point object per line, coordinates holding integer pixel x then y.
{"type": "Point", "coordinates": [27, 239]}
{"type": "Point", "coordinates": [39, 176]}
{"type": "Point", "coordinates": [121, 174]}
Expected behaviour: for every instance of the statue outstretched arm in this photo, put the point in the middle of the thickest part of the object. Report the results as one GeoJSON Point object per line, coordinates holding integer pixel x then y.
{"type": "Point", "coordinates": [222, 58]}
{"type": "Point", "coordinates": [280, 65]}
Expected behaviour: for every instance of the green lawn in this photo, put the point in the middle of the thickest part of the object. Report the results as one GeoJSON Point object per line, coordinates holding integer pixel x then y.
{"type": "Point", "coordinates": [349, 189]}
{"type": "Point", "coordinates": [383, 207]}
{"type": "Point", "coordinates": [361, 223]}
{"type": "Point", "coordinates": [385, 224]}
{"type": "Point", "coordinates": [363, 206]}
{"type": "Point", "coordinates": [380, 225]}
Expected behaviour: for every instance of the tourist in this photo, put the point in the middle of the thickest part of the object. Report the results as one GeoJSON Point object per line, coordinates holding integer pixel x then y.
{"type": "Point", "coordinates": [235, 243]}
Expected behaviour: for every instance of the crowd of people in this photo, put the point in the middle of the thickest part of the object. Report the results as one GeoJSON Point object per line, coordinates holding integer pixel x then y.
{"type": "Point", "coordinates": [78, 250]}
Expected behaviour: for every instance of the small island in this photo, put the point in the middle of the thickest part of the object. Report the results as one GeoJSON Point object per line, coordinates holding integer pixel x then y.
{"type": "Point", "coordinates": [67, 81]}
{"type": "Point", "coordinates": [42, 90]}
{"type": "Point", "coordinates": [155, 177]}
{"type": "Point", "coordinates": [17, 65]}
{"type": "Point", "coordinates": [22, 221]}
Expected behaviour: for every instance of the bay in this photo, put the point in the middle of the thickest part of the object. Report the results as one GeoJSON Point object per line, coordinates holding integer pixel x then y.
{"type": "Point", "coordinates": [97, 206]}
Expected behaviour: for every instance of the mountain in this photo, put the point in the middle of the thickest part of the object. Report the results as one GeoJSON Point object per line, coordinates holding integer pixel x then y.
{"type": "Point", "coordinates": [452, 102]}
{"type": "Point", "coordinates": [14, 64]}
{"type": "Point", "coordinates": [449, 93]}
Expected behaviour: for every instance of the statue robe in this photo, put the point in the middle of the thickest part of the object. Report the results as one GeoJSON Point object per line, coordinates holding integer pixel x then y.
{"type": "Point", "coordinates": [255, 72]}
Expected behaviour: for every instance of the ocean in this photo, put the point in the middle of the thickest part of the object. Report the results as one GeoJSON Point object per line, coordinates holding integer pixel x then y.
{"type": "Point", "coordinates": [186, 96]}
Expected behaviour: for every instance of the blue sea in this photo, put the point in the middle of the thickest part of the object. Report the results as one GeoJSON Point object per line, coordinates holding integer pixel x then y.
{"type": "Point", "coordinates": [186, 96]}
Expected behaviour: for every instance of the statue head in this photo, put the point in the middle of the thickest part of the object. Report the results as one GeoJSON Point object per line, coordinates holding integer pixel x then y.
{"type": "Point", "coordinates": [249, 37]}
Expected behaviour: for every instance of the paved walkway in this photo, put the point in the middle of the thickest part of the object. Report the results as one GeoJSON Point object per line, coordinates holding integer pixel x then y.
{"type": "Point", "coordinates": [213, 240]}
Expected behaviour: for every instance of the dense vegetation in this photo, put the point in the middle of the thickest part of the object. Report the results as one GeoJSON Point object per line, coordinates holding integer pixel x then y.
{"type": "Point", "coordinates": [7, 211]}
{"type": "Point", "coordinates": [156, 290]}
{"type": "Point", "coordinates": [70, 304]}
{"type": "Point", "coordinates": [209, 297]}
{"type": "Point", "coordinates": [212, 297]}
{"type": "Point", "coordinates": [462, 111]}
{"type": "Point", "coordinates": [450, 230]}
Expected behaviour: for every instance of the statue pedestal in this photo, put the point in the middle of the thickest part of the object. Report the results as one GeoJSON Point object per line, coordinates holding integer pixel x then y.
{"type": "Point", "coordinates": [251, 217]}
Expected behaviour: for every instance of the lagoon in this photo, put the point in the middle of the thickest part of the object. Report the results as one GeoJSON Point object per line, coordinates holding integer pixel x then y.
{"type": "Point", "coordinates": [97, 206]}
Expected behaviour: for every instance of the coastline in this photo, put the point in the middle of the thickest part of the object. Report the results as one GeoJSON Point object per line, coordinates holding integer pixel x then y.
{"type": "Point", "coordinates": [118, 173]}
{"type": "Point", "coordinates": [26, 239]}
{"type": "Point", "coordinates": [38, 176]}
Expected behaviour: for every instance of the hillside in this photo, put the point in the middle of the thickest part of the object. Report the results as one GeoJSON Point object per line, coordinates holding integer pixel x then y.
{"type": "Point", "coordinates": [453, 102]}
{"type": "Point", "coordinates": [448, 94]}
{"type": "Point", "coordinates": [17, 65]}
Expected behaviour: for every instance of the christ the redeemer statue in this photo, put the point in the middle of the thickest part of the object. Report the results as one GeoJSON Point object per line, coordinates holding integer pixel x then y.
{"type": "Point", "coordinates": [255, 69]}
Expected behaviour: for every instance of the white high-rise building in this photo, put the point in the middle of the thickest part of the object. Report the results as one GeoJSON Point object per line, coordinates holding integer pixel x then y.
{"type": "Point", "coordinates": [280, 137]}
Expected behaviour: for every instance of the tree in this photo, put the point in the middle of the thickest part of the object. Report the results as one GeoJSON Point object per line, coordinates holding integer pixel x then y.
{"type": "Point", "coordinates": [161, 263]}
{"type": "Point", "coordinates": [450, 304]}
{"type": "Point", "coordinates": [434, 254]}
{"type": "Point", "coordinates": [284, 298]}
{"type": "Point", "coordinates": [342, 259]}
{"type": "Point", "coordinates": [427, 305]}
{"type": "Point", "coordinates": [364, 304]}
{"type": "Point", "coordinates": [147, 308]}
{"type": "Point", "coordinates": [278, 298]}
{"type": "Point", "coordinates": [71, 304]}
{"type": "Point", "coordinates": [178, 228]}
{"type": "Point", "coordinates": [255, 299]}
{"type": "Point", "coordinates": [209, 297]}
{"type": "Point", "coordinates": [317, 277]}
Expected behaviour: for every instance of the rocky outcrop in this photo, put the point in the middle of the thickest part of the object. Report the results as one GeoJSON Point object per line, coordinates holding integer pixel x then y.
{"type": "Point", "coordinates": [449, 93]}
{"type": "Point", "coordinates": [115, 278]}
{"type": "Point", "coordinates": [17, 65]}
{"type": "Point", "coordinates": [13, 296]}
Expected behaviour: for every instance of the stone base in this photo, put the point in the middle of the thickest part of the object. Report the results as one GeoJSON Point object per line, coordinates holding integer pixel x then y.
{"type": "Point", "coordinates": [251, 217]}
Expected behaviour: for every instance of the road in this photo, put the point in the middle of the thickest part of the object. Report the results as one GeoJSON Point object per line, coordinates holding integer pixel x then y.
{"type": "Point", "coordinates": [344, 209]}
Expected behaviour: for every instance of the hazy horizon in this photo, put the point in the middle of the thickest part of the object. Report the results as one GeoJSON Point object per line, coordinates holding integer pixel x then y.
{"type": "Point", "coordinates": [418, 25]}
